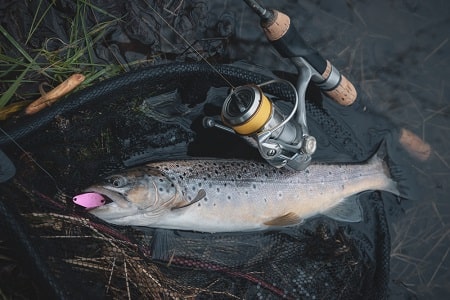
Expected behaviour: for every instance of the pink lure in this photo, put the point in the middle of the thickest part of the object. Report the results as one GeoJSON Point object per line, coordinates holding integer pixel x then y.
{"type": "Point", "coordinates": [89, 200]}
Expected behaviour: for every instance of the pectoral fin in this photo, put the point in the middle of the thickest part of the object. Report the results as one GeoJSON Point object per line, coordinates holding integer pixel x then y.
{"type": "Point", "coordinates": [348, 210]}
{"type": "Point", "coordinates": [200, 195]}
{"type": "Point", "coordinates": [284, 220]}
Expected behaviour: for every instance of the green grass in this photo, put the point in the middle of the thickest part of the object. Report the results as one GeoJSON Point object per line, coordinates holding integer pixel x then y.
{"type": "Point", "coordinates": [20, 65]}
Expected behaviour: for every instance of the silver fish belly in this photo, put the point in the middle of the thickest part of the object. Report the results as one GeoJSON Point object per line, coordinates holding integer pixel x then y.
{"type": "Point", "coordinates": [224, 195]}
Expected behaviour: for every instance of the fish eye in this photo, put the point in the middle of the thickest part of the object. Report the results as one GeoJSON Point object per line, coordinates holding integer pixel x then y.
{"type": "Point", "coordinates": [117, 181]}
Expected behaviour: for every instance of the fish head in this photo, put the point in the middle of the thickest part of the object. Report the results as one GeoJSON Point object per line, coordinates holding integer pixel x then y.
{"type": "Point", "coordinates": [140, 195]}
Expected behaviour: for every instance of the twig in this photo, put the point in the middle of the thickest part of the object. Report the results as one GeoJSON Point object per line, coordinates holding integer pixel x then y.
{"type": "Point", "coordinates": [436, 49]}
{"type": "Point", "coordinates": [110, 275]}
{"type": "Point", "coordinates": [126, 277]}
{"type": "Point", "coordinates": [61, 90]}
{"type": "Point", "coordinates": [437, 244]}
{"type": "Point", "coordinates": [438, 267]}
{"type": "Point", "coordinates": [414, 145]}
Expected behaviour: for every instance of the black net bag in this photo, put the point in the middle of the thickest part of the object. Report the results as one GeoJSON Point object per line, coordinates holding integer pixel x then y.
{"type": "Point", "coordinates": [156, 114]}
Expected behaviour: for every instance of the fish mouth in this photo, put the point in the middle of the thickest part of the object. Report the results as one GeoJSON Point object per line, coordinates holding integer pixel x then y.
{"type": "Point", "coordinates": [114, 196]}
{"type": "Point", "coordinates": [117, 211]}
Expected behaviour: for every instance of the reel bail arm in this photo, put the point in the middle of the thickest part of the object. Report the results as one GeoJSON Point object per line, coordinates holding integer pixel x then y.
{"type": "Point", "coordinates": [281, 141]}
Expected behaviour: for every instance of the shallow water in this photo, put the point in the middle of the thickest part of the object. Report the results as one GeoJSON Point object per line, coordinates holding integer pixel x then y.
{"type": "Point", "coordinates": [397, 53]}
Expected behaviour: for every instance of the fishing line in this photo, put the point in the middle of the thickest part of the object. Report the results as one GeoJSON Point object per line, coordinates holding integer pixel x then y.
{"type": "Point", "coordinates": [179, 35]}
{"type": "Point", "coordinates": [31, 158]}
{"type": "Point", "coordinates": [191, 46]}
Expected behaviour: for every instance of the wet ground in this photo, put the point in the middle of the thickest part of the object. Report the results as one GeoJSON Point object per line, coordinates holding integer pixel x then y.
{"type": "Point", "coordinates": [398, 53]}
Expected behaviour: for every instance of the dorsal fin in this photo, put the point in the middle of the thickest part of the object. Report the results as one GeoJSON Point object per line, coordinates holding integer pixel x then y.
{"type": "Point", "coordinates": [284, 220]}
{"type": "Point", "coordinates": [200, 195]}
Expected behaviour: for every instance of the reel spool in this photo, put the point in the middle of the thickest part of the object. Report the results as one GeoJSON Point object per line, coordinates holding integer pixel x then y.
{"type": "Point", "coordinates": [281, 141]}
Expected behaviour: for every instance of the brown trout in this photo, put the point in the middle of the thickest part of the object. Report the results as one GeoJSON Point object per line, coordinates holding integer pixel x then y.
{"type": "Point", "coordinates": [236, 195]}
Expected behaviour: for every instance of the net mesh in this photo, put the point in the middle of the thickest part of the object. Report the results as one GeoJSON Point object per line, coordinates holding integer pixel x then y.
{"type": "Point", "coordinates": [84, 256]}
{"type": "Point", "coordinates": [315, 261]}
{"type": "Point", "coordinates": [155, 114]}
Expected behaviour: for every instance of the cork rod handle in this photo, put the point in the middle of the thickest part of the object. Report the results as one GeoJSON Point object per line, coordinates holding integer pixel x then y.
{"type": "Point", "coordinates": [290, 44]}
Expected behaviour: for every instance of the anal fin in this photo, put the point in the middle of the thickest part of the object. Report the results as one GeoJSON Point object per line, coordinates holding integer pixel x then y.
{"type": "Point", "coordinates": [348, 210]}
{"type": "Point", "coordinates": [162, 244]}
{"type": "Point", "coordinates": [284, 220]}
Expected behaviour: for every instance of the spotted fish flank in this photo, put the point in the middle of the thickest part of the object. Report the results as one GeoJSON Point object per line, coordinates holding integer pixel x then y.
{"type": "Point", "coordinates": [238, 195]}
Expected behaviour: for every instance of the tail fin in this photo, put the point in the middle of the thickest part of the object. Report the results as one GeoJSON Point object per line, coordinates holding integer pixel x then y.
{"type": "Point", "coordinates": [380, 161]}
{"type": "Point", "coordinates": [398, 168]}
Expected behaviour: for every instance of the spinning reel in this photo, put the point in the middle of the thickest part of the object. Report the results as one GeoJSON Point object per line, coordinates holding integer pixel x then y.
{"type": "Point", "coordinates": [282, 140]}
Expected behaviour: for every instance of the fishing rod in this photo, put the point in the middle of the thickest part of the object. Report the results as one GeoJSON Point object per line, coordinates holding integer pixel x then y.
{"type": "Point", "coordinates": [289, 43]}
{"type": "Point", "coordinates": [282, 141]}
{"type": "Point", "coordinates": [247, 111]}
{"type": "Point", "coordinates": [313, 67]}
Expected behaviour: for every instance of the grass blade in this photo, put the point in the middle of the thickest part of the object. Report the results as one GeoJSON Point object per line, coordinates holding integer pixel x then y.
{"type": "Point", "coordinates": [34, 25]}
{"type": "Point", "coordinates": [16, 44]}
{"type": "Point", "coordinates": [4, 99]}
